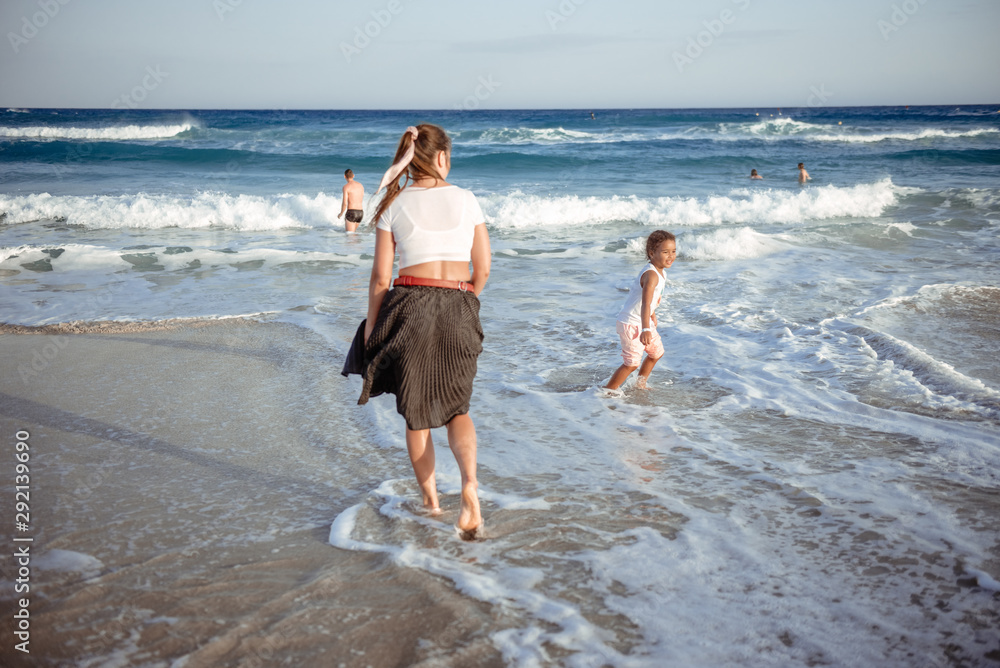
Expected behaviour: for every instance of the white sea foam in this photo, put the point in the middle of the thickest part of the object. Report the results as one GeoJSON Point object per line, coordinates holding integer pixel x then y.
{"type": "Point", "coordinates": [121, 132]}
{"type": "Point", "coordinates": [775, 127]}
{"type": "Point", "coordinates": [978, 198]}
{"type": "Point", "coordinates": [727, 555]}
{"type": "Point", "coordinates": [736, 244]}
{"type": "Point", "coordinates": [906, 228]}
{"type": "Point", "coordinates": [939, 383]}
{"type": "Point", "coordinates": [742, 206]}
{"type": "Point", "coordinates": [69, 561]}
{"type": "Point", "coordinates": [528, 136]}
{"type": "Point", "coordinates": [510, 211]}
{"type": "Point", "coordinates": [789, 128]}
{"type": "Point", "coordinates": [71, 257]}
{"type": "Point", "coordinates": [770, 129]}
{"type": "Point", "coordinates": [211, 209]}
{"type": "Point", "coordinates": [929, 296]}
{"type": "Point", "coordinates": [936, 342]}
{"type": "Point", "coordinates": [491, 580]}
{"type": "Point", "coordinates": [928, 133]}
{"type": "Point", "coordinates": [984, 580]}
{"type": "Point", "coordinates": [82, 258]}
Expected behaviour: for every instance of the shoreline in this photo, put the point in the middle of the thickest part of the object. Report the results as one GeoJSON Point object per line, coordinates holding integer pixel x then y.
{"type": "Point", "coordinates": [125, 326]}
{"type": "Point", "coordinates": [184, 476]}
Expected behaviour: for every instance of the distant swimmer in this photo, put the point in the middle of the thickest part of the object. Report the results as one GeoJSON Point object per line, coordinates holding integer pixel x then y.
{"type": "Point", "coordinates": [354, 194]}
{"type": "Point", "coordinates": [592, 117]}
{"type": "Point", "coordinates": [803, 174]}
{"type": "Point", "coordinates": [755, 175]}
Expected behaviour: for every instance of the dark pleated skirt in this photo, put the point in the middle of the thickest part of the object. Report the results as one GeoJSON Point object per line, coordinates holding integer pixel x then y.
{"type": "Point", "coordinates": [423, 349]}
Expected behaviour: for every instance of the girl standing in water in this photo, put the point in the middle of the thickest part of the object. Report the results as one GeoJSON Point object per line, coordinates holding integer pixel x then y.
{"type": "Point", "coordinates": [422, 338]}
{"type": "Point", "coordinates": [637, 318]}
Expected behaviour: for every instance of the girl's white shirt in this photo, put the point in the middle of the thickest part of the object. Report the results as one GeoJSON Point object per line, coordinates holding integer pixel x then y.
{"type": "Point", "coordinates": [631, 312]}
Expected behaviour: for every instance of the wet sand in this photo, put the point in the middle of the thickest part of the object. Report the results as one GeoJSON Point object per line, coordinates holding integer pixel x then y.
{"type": "Point", "coordinates": [183, 480]}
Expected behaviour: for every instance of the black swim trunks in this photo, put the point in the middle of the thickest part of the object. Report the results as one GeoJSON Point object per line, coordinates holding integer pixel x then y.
{"type": "Point", "coordinates": [354, 215]}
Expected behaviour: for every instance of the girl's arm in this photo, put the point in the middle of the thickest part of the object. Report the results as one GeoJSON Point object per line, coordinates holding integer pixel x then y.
{"type": "Point", "coordinates": [648, 283]}
{"type": "Point", "coordinates": [481, 258]}
{"type": "Point", "coordinates": [385, 251]}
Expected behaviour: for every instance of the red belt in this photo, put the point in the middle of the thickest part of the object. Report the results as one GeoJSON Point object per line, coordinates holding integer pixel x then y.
{"type": "Point", "coordinates": [432, 283]}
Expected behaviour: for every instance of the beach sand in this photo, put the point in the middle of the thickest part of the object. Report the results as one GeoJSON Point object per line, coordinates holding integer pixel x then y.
{"type": "Point", "coordinates": [184, 476]}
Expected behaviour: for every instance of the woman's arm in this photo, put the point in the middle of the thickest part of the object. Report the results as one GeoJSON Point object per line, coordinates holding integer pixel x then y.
{"type": "Point", "coordinates": [385, 251]}
{"type": "Point", "coordinates": [481, 258]}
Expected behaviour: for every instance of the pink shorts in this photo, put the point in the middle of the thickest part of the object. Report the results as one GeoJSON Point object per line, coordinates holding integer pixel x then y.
{"type": "Point", "coordinates": [632, 347]}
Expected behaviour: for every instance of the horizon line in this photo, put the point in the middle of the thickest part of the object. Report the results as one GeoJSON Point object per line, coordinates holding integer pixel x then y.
{"type": "Point", "coordinates": [475, 111]}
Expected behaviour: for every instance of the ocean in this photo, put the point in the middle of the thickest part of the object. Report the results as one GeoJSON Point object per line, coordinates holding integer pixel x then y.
{"type": "Point", "coordinates": [812, 476]}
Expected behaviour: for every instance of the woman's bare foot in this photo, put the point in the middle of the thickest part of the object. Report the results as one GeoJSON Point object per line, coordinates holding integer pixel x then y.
{"type": "Point", "coordinates": [470, 520]}
{"type": "Point", "coordinates": [473, 535]}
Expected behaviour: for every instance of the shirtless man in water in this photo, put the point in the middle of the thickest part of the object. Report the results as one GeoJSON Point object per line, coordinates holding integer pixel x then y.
{"type": "Point", "coordinates": [803, 174]}
{"type": "Point", "coordinates": [354, 194]}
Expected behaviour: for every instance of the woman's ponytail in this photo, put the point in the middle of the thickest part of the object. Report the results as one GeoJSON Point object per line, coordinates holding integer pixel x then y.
{"type": "Point", "coordinates": [430, 141]}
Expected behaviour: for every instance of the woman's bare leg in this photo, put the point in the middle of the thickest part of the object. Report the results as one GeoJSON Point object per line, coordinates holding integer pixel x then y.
{"type": "Point", "coordinates": [421, 448]}
{"type": "Point", "coordinates": [462, 439]}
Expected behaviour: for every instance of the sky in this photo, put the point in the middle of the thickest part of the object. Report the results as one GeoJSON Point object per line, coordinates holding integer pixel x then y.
{"type": "Point", "coordinates": [516, 54]}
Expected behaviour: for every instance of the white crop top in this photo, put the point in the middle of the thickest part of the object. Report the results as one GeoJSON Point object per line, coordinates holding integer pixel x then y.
{"type": "Point", "coordinates": [432, 224]}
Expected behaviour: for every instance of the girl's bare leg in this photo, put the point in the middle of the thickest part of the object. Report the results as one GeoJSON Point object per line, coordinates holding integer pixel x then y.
{"type": "Point", "coordinates": [645, 370]}
{"type": "Point", "coordinates": [462, 439]}
{"type": "Point", "coordinates": [619, 376]}
{"type": "Point", "coordinates": [421, 448]}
